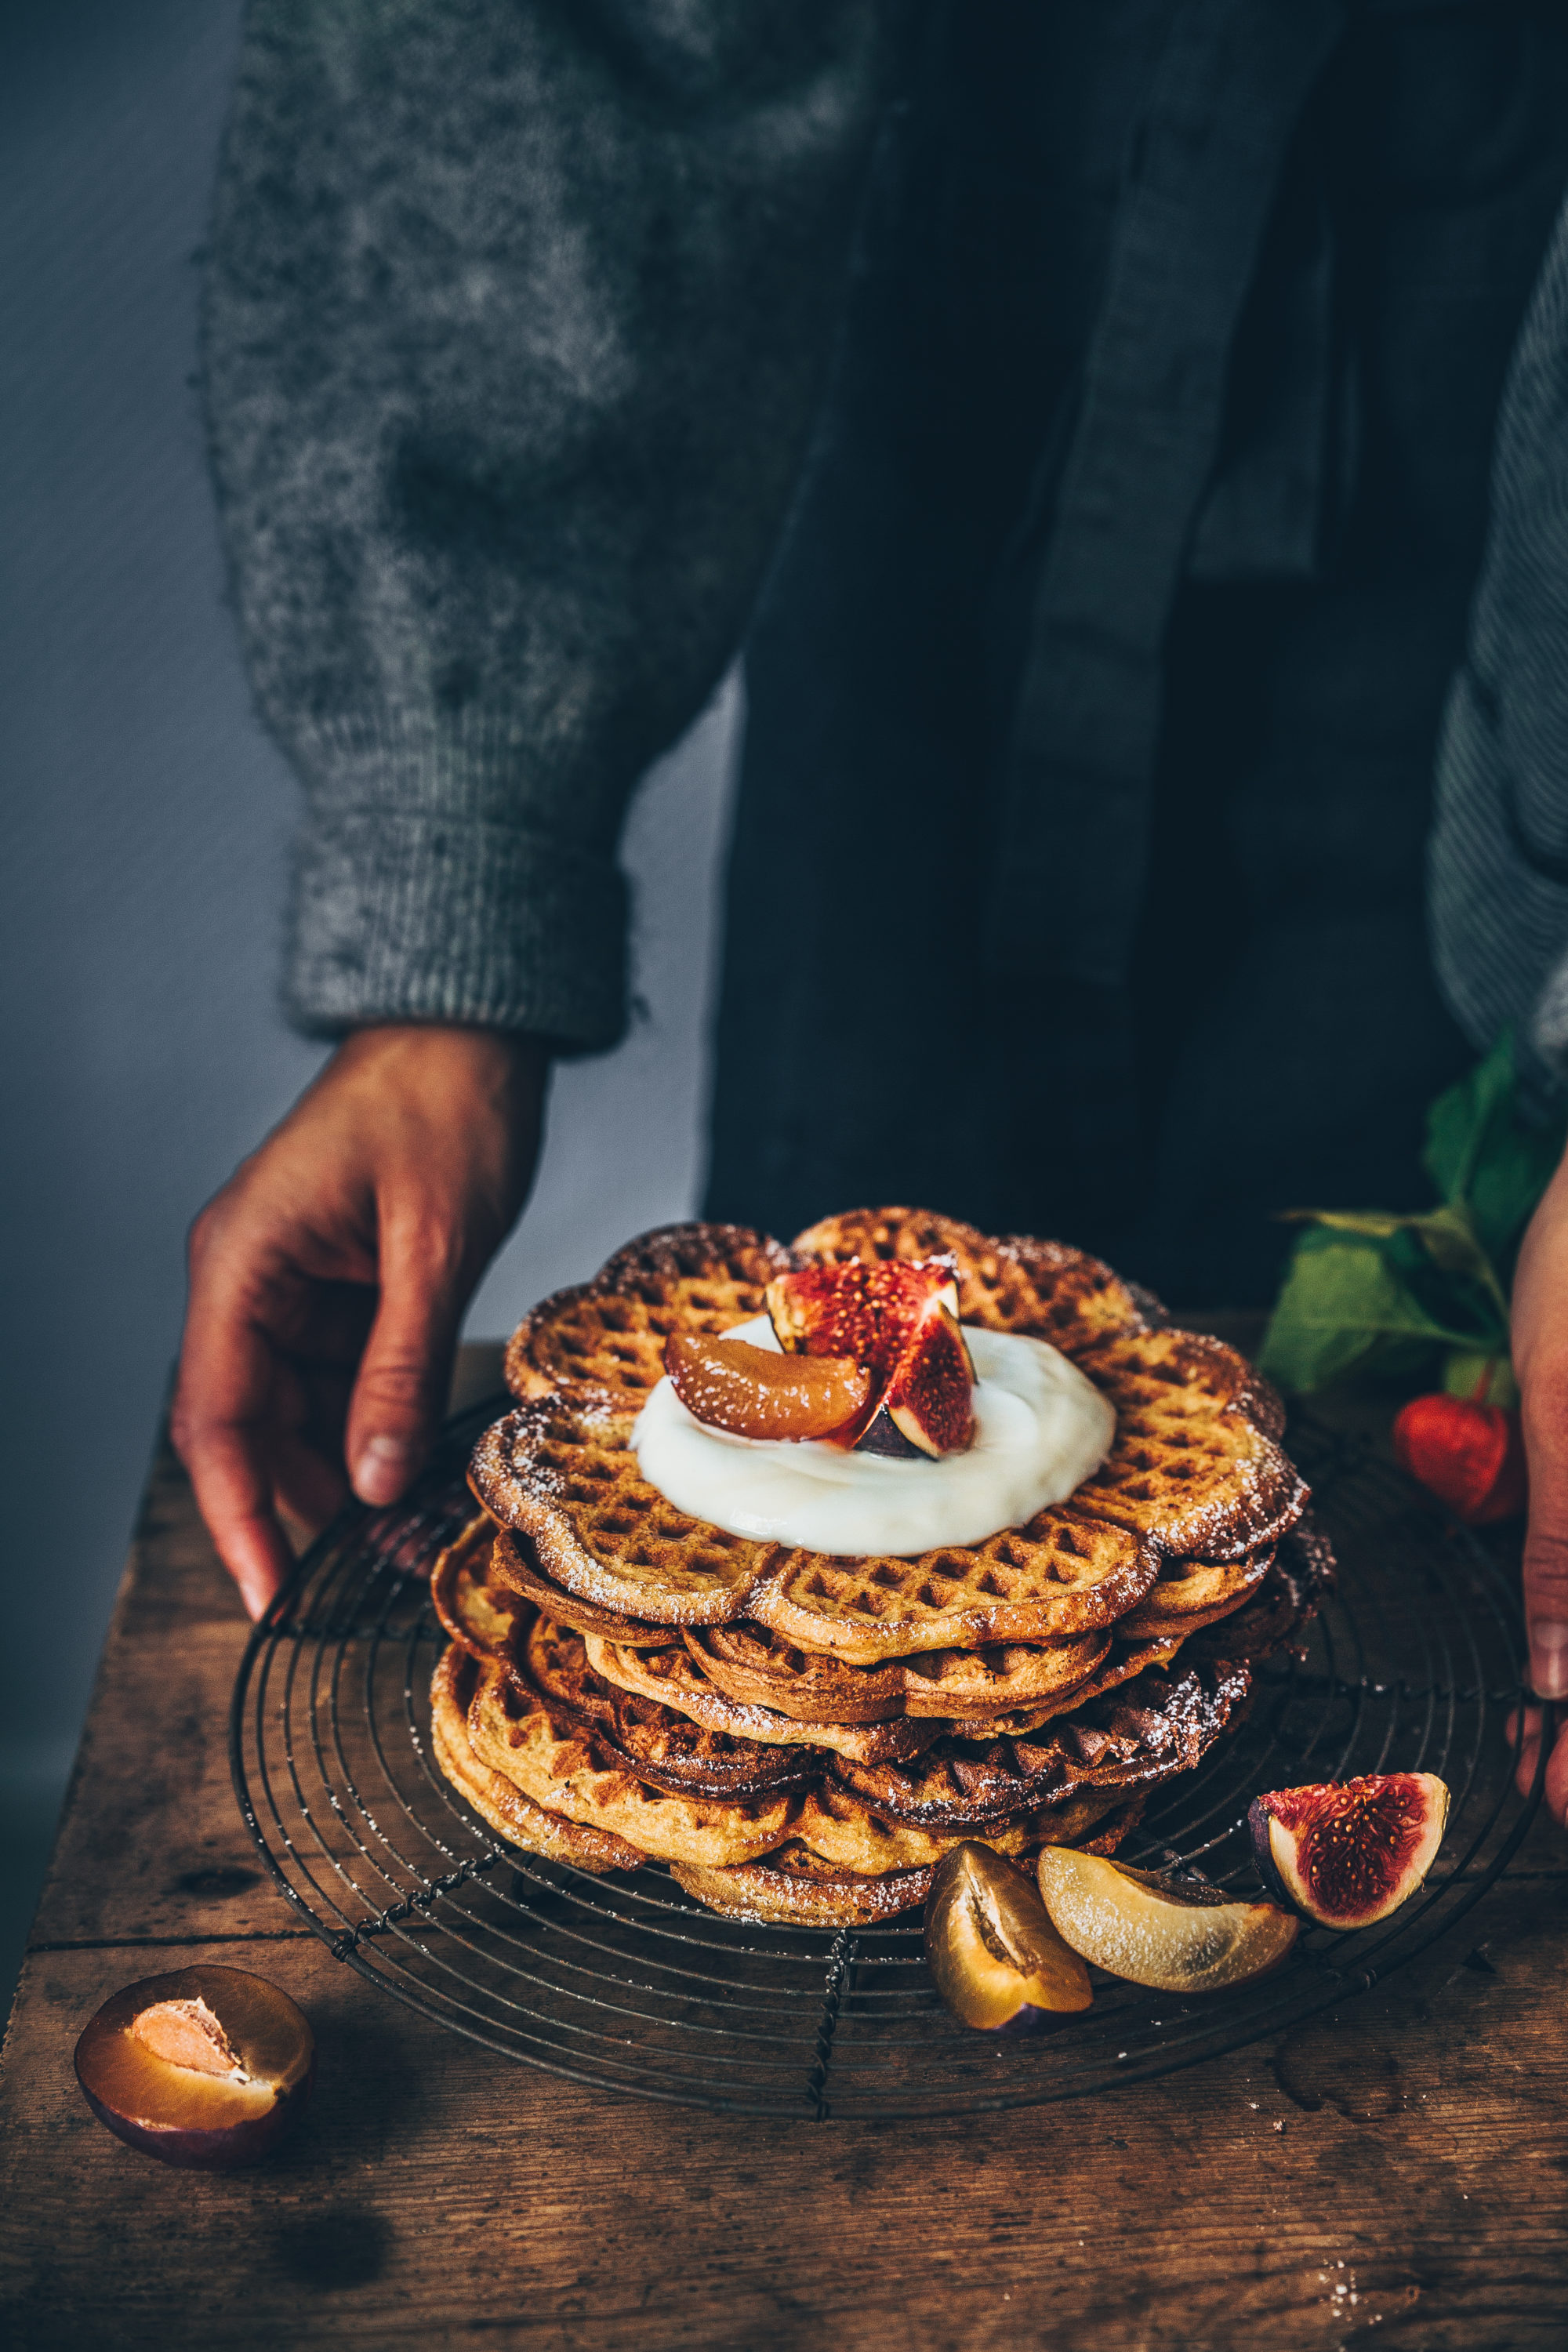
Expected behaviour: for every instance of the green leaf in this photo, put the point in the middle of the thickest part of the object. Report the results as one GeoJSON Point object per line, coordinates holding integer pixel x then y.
{"type": "Point", "coordinates": [1481, 1152]}
{"type": "Point", "coordinates": [1448, 1238]}
{"type": "Point", "coordinates": [1459, 1121]}
{"type": "Point", "coordinates": [1340, 1300]}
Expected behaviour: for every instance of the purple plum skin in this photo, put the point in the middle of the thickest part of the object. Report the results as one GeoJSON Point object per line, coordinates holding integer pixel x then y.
{"type": "Point", "coordinates": [209, 2151]}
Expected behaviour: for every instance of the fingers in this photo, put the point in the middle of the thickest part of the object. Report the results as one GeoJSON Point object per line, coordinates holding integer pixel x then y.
{"type": "Point", "coordinates": [406, 1371]}
{"type": "Point", "coordinates": [219, 1429]}
{"type": "Point", "coordinates": [1554, 1791]}
{"type": "Point", "coordinates": [1546, 1539]}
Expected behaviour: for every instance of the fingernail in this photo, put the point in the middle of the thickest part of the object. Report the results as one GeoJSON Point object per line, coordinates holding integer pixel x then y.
{"type": "Point", "coordinates": [382, 1471]}
{"type": "Point", "coordinates": [1549, 1661]}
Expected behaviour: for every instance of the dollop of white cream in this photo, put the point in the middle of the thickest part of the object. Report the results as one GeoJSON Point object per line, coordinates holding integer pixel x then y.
{"type": "Point", "coordinates": [1040, 1430]}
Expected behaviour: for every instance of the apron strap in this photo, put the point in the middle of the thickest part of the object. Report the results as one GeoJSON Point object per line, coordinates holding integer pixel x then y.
{"type": "Point", "coordinates": [1072, 841]}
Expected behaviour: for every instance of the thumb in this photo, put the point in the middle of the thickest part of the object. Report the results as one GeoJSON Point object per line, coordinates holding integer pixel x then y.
{"type": "Point", "coordinates": [406, 1372]}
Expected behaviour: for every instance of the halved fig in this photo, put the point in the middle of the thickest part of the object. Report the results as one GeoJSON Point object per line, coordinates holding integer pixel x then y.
{"type": "Point", "coordinates": [1346, 1854]}
{"type": "Point", "coordinates": [1174, 1934]}
{"type": "Point", "coordinates": [206, 2067]}
{"type": "Point", "coordinates": [899, 1318]}
{"type": "Point", "coordinates": [999, 1964]}
{"type": "Point", "coordinates": [751, 1392]}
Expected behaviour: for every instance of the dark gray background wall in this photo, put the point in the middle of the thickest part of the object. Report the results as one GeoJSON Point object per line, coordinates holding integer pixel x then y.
{"type": "Point", "coordinates": [144, 828]}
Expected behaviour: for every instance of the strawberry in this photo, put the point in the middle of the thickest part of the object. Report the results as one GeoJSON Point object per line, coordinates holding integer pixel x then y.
{"type": "Point", "coordinates": [1470, 1455]}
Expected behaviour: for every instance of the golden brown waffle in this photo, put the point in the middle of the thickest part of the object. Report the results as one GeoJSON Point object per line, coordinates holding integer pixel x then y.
{"type": "Point", "coordinates": [1041, 1289]}
{"type": "Point", "coordinates": [1123, 1661]}
{"type": "Point", "coordinates": [1195, 1466]}
{"type": "Point", "coordinates": [753, 1665]}
{"type": "Point", "coordinates": [1190, 1594]}
{"type": "Point", "coordinates": [498, 1799]}
{"type": "Point", "coordinates": [756, 1667]}
{"type": "Point", "coordinates": [839, 1827]}
{"type": "Point", "coordinates": [560, 1472]}
{"type": "Point", "coordinates": [1063, 1573]}
{"type": "Point", "coordinates": [512, 1564]}
{"type": "Point", "coordinates": [795, 1887]}
{"type": "Point", "coordinates": [1194, 1472]}
{"type": "Point", "coordinates": [673, 1677]}
{"type": "Point", "coordinates": [1151, 1728]}
{"type": "Point", "coordinates": [662, 1746]}
{"type": "Point", "coordinates": [557, 1762]}
{"type": "Point", "coordinates": [609, 1334]}
{"type": "Point", "coordinates": [474, 1610]}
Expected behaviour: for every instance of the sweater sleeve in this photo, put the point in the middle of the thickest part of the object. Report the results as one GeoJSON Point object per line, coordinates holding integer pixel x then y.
{"type": "Point", "coordinates": [516, 319]}
{"type": "Point", "coordinates": [1498, 872]}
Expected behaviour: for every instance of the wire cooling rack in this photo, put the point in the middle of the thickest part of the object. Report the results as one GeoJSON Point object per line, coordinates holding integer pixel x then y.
{"type": "Point", "coordinates": [625, 1983]}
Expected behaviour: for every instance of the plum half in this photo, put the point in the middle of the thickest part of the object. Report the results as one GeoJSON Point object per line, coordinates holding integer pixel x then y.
{"type": "Point", "coordinates": [752, 1392]}
{"type": "Point", "coordinates": [998, 1962]}
{"type": "Point", "coordinates": [1172, 1933]}
{"type": "Point", "coordinates": [205, 2067]}
{"type": "Point", "coordinates": [1345, 1854]}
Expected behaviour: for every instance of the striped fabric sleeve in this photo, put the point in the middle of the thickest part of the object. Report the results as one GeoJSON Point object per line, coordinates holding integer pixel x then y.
{"type": "Point", "coordinates": [1498, 872]}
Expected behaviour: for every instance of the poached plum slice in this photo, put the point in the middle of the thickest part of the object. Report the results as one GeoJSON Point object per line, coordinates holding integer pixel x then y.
{"type": "Point", "coordinates": [1173, 1934]}
{"type": "Point", "coordinates": [1347, 1854]}
{"type": "Point", "coordinates": [899, 1318]}
{"type": "Point", "coordinates": [751, 1392]}
{"type": "Point", "coordinates": [205, 2067]}
{"type": "Point", "coordinates": [999, 1964]}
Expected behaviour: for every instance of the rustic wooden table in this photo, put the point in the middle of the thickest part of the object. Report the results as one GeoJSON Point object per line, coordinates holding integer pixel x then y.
{"type": "Point", "coordinates": [1396, 2172]}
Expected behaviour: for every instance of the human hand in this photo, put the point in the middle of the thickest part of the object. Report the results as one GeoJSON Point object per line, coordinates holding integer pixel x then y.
{"type": "Point", "coordinates": [329, 1276]}
{"type": "Point", "coordinates": [1540, 1339]}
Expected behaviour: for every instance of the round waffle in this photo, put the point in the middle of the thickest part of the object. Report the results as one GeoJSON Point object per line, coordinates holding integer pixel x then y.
{"type": "Point", "coordinates": [475, 1612]}
{"type": "Point", "coordinates": [560, 1469]}
{"type": "Point", "coordinates": [1123, 1661]}
{"type": "Point", "coordinates": [512, 1565]}
{"type": "Point", "coordinates": [667, 1750]}
{"type": "Point", "coordinates": [1151, 1728]}
{"type": "Point", "coordinates": [753, 1665]}
{"type": "Point", "coordinates": [1195, 1466]}
{"type": "Point", "coordinates": [673, 1677]}
{"type": "Point", "coordinates": [1190, 1594]}
{"type": "Point", "coordinates": [498, 1799]}
{"type": "Point", "coordinates": [1195, 1471]}
{"type": "Point", "coordinates": [609, 1334]}
{"type": "Point", "coordinates": [557, 1762]}
{"type": "Point", "coordinates": [796, 1887]}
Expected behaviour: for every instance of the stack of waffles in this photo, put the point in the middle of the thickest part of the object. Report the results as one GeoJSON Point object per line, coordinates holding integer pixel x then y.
{"type": "Point", "coordinates": [803, 1738]}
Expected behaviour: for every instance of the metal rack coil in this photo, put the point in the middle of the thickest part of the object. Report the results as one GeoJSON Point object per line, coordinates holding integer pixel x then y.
{"type": "Point", "coordinates": [623, 1982]}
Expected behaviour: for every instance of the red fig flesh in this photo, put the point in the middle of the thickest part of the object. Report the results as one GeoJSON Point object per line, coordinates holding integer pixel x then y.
{"type": "Point", "coordinates": [1172, 1933]}
{"type": "Point", "coordinates": [751, 1392]}
{"type": "Point", "coordinates": [207, 2067]}
{"type": "Point", "coordinates": [899, 1318]}
{"type": "Point", "coordinates": [1347, 1854]}
{"type": "Point", "coordinates": [999, 1964]}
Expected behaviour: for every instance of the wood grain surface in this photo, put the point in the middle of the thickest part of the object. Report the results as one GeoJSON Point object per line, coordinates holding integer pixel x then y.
{"type": "Point", "coordinates": [1398, 2173]}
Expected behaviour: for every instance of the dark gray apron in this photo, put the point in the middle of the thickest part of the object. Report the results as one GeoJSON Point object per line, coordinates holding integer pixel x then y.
{"type": "Point", "coordinates": [1076, 884]}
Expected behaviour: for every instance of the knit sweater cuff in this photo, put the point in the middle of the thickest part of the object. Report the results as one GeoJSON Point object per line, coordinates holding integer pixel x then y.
{"type": "Point", "coordinates": [428, 917]}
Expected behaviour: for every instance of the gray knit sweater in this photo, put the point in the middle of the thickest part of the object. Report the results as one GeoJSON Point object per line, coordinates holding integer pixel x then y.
{"type": "Point", "coordinates": [515, 322]}
{"type": "Point", "coordinates": [517, 317]}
